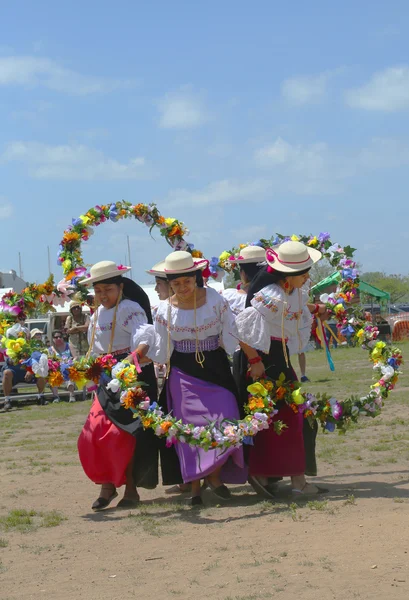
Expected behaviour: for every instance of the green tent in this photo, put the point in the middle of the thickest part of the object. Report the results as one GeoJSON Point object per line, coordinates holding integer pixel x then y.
{"type": "Point", "coordinates": [364, 288]}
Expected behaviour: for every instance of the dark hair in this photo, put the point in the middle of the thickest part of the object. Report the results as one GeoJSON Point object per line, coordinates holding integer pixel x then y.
{"type": "Point", "coordinates": [197, 274]}
{"type": "Point", "coordinates": [164, 278]}
{"type": "Point", "coordinates": [132, 291]}
{"type": "Point", "coordinates": [266, 276]}
{"type": "Point", "coordinates": [58, 331]}
{"type": "Point", "coordinates": [250, 270]}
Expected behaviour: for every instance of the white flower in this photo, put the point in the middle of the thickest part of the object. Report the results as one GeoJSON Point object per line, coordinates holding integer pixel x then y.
{"type": "Point", "coordinates": [114, 385]}
{"type": "Point", "coordinates": [118, 368]}
{"type": "Point", "coordinates": [387, 372]}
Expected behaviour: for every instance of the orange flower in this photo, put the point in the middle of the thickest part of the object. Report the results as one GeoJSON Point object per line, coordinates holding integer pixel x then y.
{"type": "Point", "coordinates": [70, 275]}
{"type": "Point", "coordinates": [256, 403]}
{"type": "Point", "coordinates": [176, 231]}
{"type": "Point", "coordinates": [75, 374]}
{"type": "Point", "coordinates": [280, 393]}
{"type": "Point", "coordinates": [70, 236]}
{"type": "Point", "coordinates": [214, 444]}
{"type": "Point", "coordinates": [197, 254]}
{"type": "Point", "coordinates": [147, 422]}
{"type": "Point", "coordinates": [161, 220]}
{"type": "Point", "coordinates": [166, 425]}
{"type": "Point", "coordinates": [55, 379]}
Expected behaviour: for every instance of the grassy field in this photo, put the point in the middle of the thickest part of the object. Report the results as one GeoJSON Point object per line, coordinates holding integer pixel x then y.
{"type": "Point", "coordinates": [351, 543]}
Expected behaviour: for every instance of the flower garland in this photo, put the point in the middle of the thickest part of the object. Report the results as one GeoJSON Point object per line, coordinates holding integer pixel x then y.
{"type": "Point", "coordinates": [70, 254]}
{"type": "Point", "coordinates": [350, 319]}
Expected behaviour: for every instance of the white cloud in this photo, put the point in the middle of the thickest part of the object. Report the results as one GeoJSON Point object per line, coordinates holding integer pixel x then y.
{"type": "Point", "coordinates": [32, 71]}
{"type": "Point", "coordinates": [220, 192]}
{"type": "Point", "coordinates": [305, 89]}
{"type": "Point", "coordinates": [387, 90]}
{"type": "Point", "coordinates": [76, 162]}
{"type": "Point", "coordinates": [6, 209]}
{"type": "Point", "coordinates": [182, 110]}
{"type": "Point", "coordinates": [303, 169]}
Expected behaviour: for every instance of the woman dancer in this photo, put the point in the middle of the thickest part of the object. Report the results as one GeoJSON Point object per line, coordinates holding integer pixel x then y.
{"type": "Point", "coordinates": [195, 329]}
{"type": "Point", "coordinates": [114, 449]}
{"type": "Point", "coordinates": [276, 304]}
{"type": "Point", "coordinates": [249, 265]}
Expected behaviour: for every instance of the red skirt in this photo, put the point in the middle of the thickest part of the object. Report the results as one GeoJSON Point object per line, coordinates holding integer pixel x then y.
{"type": "Point", "coordinates": [282, 455]}
{"type": "Point", "coordinates": [104, 450]}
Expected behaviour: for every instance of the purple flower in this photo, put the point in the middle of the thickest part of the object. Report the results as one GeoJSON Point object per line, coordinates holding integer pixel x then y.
{"type": "Point", "coordinates": [392, 362]}
{"type": "Point", "coordinates": [323, 237]}
{"type": "Point", "coordinates": [258, 243]}
{"type": "Point", "coordinates": [113, 213]}
{"type": "Point", "coordinates": [336, 410]}
{"type": "Point", "coordinates": [76, 222]}
{"type": "Point", "coordinates": [330, 426]}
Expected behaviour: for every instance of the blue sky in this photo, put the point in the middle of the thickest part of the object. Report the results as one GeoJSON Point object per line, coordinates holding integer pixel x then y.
{"type": "Point", "coordinates": [241, 119]}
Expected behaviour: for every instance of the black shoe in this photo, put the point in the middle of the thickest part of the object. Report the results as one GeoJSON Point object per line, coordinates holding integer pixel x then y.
{"type": "Point", "coordinates": [196, 501]}
{"type": "Point", "coordinates": [220, 491]}
{"type": "Point", "coordinates": [261, 489]}
{"type": "Point", "coordinates": [42, 401]}
{"type": "Point", "coordinates": [101, 503]}
{"type": "Point", "coordinates": [128, 502]}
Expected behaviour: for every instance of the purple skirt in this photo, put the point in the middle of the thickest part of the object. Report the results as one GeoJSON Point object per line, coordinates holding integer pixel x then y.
{"type": "Point", "coordinates": [197, 402]}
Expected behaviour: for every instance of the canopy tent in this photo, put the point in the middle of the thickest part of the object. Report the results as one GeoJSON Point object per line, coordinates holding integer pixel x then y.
{"type": "Point", "coordinates": [364, 288]}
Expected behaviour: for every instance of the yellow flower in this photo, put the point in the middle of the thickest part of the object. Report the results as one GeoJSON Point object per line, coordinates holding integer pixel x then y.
{"type": "Point", "coordinates": [380, 345]}
{"type": "Point", "coordinates": [242, 246]}
{"type": "Point", "coordinates": [295, 238]}
{"type": "Point", "coordinates": [297, 397]}
{"type": "Point", "coordinates": [360, 333]}
{"type": "Point", "coordinates": [66, 265]}
{"type": "Point", "coordinates": [169, 221]}
{"type": "Point", "coordinates": [313, 241]}
{"type": "Point", "coordinates": [339, 308]}
{"type": "Point", "coordinates": [224, 256]}
{"type": "Point", "coordinates": [257, 389]}
{"type": "Point", "coordinates": [85, 220]}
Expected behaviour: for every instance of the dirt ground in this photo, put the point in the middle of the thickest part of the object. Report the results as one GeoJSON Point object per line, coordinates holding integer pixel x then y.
{"type": "Point", "coordinates": [352, 543]}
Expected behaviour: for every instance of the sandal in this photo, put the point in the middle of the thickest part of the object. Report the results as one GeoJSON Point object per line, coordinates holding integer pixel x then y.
{"type": "Point", "coordinates": [260, 489]}
{"type": "Point", "coordinates": [101, 503]}
{"type": "Point", "coordinates": [221, 491]}
{"type": "Point", "coordinates": [307, 491]}
{"type": "Point", "coordinates": [128, 502]}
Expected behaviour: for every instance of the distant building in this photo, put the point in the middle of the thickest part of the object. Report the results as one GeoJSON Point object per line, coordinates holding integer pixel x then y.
{"type": "Point", "coordinates": [11, 280]}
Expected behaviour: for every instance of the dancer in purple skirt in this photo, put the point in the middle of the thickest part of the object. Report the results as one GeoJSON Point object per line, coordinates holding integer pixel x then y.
{"type": "Point", "coordinates": [195, 329]}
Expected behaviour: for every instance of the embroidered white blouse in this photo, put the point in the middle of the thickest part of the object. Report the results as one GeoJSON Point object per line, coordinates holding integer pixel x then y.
{"type": "Point", "coordinates": [131, 328]}
{"type": "Point", "coordinates": [236, 300]}
{"type": "Point", "coordinates": [213, 318]}
{"type": "Point", "coordinates": [273, 313]}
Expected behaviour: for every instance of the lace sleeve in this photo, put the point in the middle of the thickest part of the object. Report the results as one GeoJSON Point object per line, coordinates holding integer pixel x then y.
{"type": "Point", "coordinates": [254, 329]}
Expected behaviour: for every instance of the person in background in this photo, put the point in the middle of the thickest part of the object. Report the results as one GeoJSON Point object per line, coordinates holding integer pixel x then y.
{"type": "Point", "coordinates": [14, 373]}
{"type": "Point", "coordinates": [61, 349]}
{"type": "Point", "coordinates": [76, 325]}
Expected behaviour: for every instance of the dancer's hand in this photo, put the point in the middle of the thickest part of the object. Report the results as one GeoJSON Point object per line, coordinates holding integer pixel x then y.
{"type": "Point", "coordinates": [257, 370]}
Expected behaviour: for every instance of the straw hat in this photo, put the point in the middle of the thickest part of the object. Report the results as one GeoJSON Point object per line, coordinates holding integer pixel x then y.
{"type": "Point", "coordinates": [106, 269]}
{"type": "Point", "coordinates": [74, 303]}
{"type": "Point", "coordinates": [251, 254]}
{"type": "Point", "coordinates": [180, 262]}
{"type": "Point", "coordinates": [291, 257]}
{"type": "Point", "coordinates": [35, 331]}
{"type": "Point", "coordinates": [158, 270]}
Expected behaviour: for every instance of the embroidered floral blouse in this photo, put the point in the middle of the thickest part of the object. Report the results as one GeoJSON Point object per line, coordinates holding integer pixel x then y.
{"type": "Point", "coordinates": [131, 328]}
{"type": "Point", "coordinates": [236, 300]}
{"type": "Point", "coordinates": [273, 313]}
{"type": "Point", "coordinates": [213, 318]}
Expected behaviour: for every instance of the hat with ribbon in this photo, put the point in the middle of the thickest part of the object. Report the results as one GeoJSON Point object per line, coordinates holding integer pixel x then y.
{"type": "Point", "coordinates": [180, 262]}
{"type": "Point", "coordinates": [291, 257]}
{"type": "Point", "coordinates": [250, 254]}
{"type": "Point", "coordinates": [106, 269]}
{"type": "Point", "coordinates": [158, 270]}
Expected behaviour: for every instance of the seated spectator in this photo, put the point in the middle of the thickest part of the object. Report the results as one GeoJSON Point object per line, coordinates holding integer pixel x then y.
{"type": "Point", "coordinates": [61, 349]}
{"type": "Point", "coordinates": [13, 373]}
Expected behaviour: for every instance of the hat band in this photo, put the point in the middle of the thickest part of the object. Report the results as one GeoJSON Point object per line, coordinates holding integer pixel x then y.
{"type": "Point", "coordinates": [196, 265]}
{"type": "Point", "coordinates": [272, 256]}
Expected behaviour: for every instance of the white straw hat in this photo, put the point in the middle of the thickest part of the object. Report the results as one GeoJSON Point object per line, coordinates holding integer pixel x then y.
{"type": "Point", "coordinates": [180, 262]}
{"type": "Point", "coordinates": [291, 257]}
{"type": "Point", "coordinates": [251, 254]}
{"type": "Point", "coordinates": [158, 270]}
{"type": "Point", "coordinates": [35, 331]}
{"type": "Point", "coordinates": [106, 269]}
